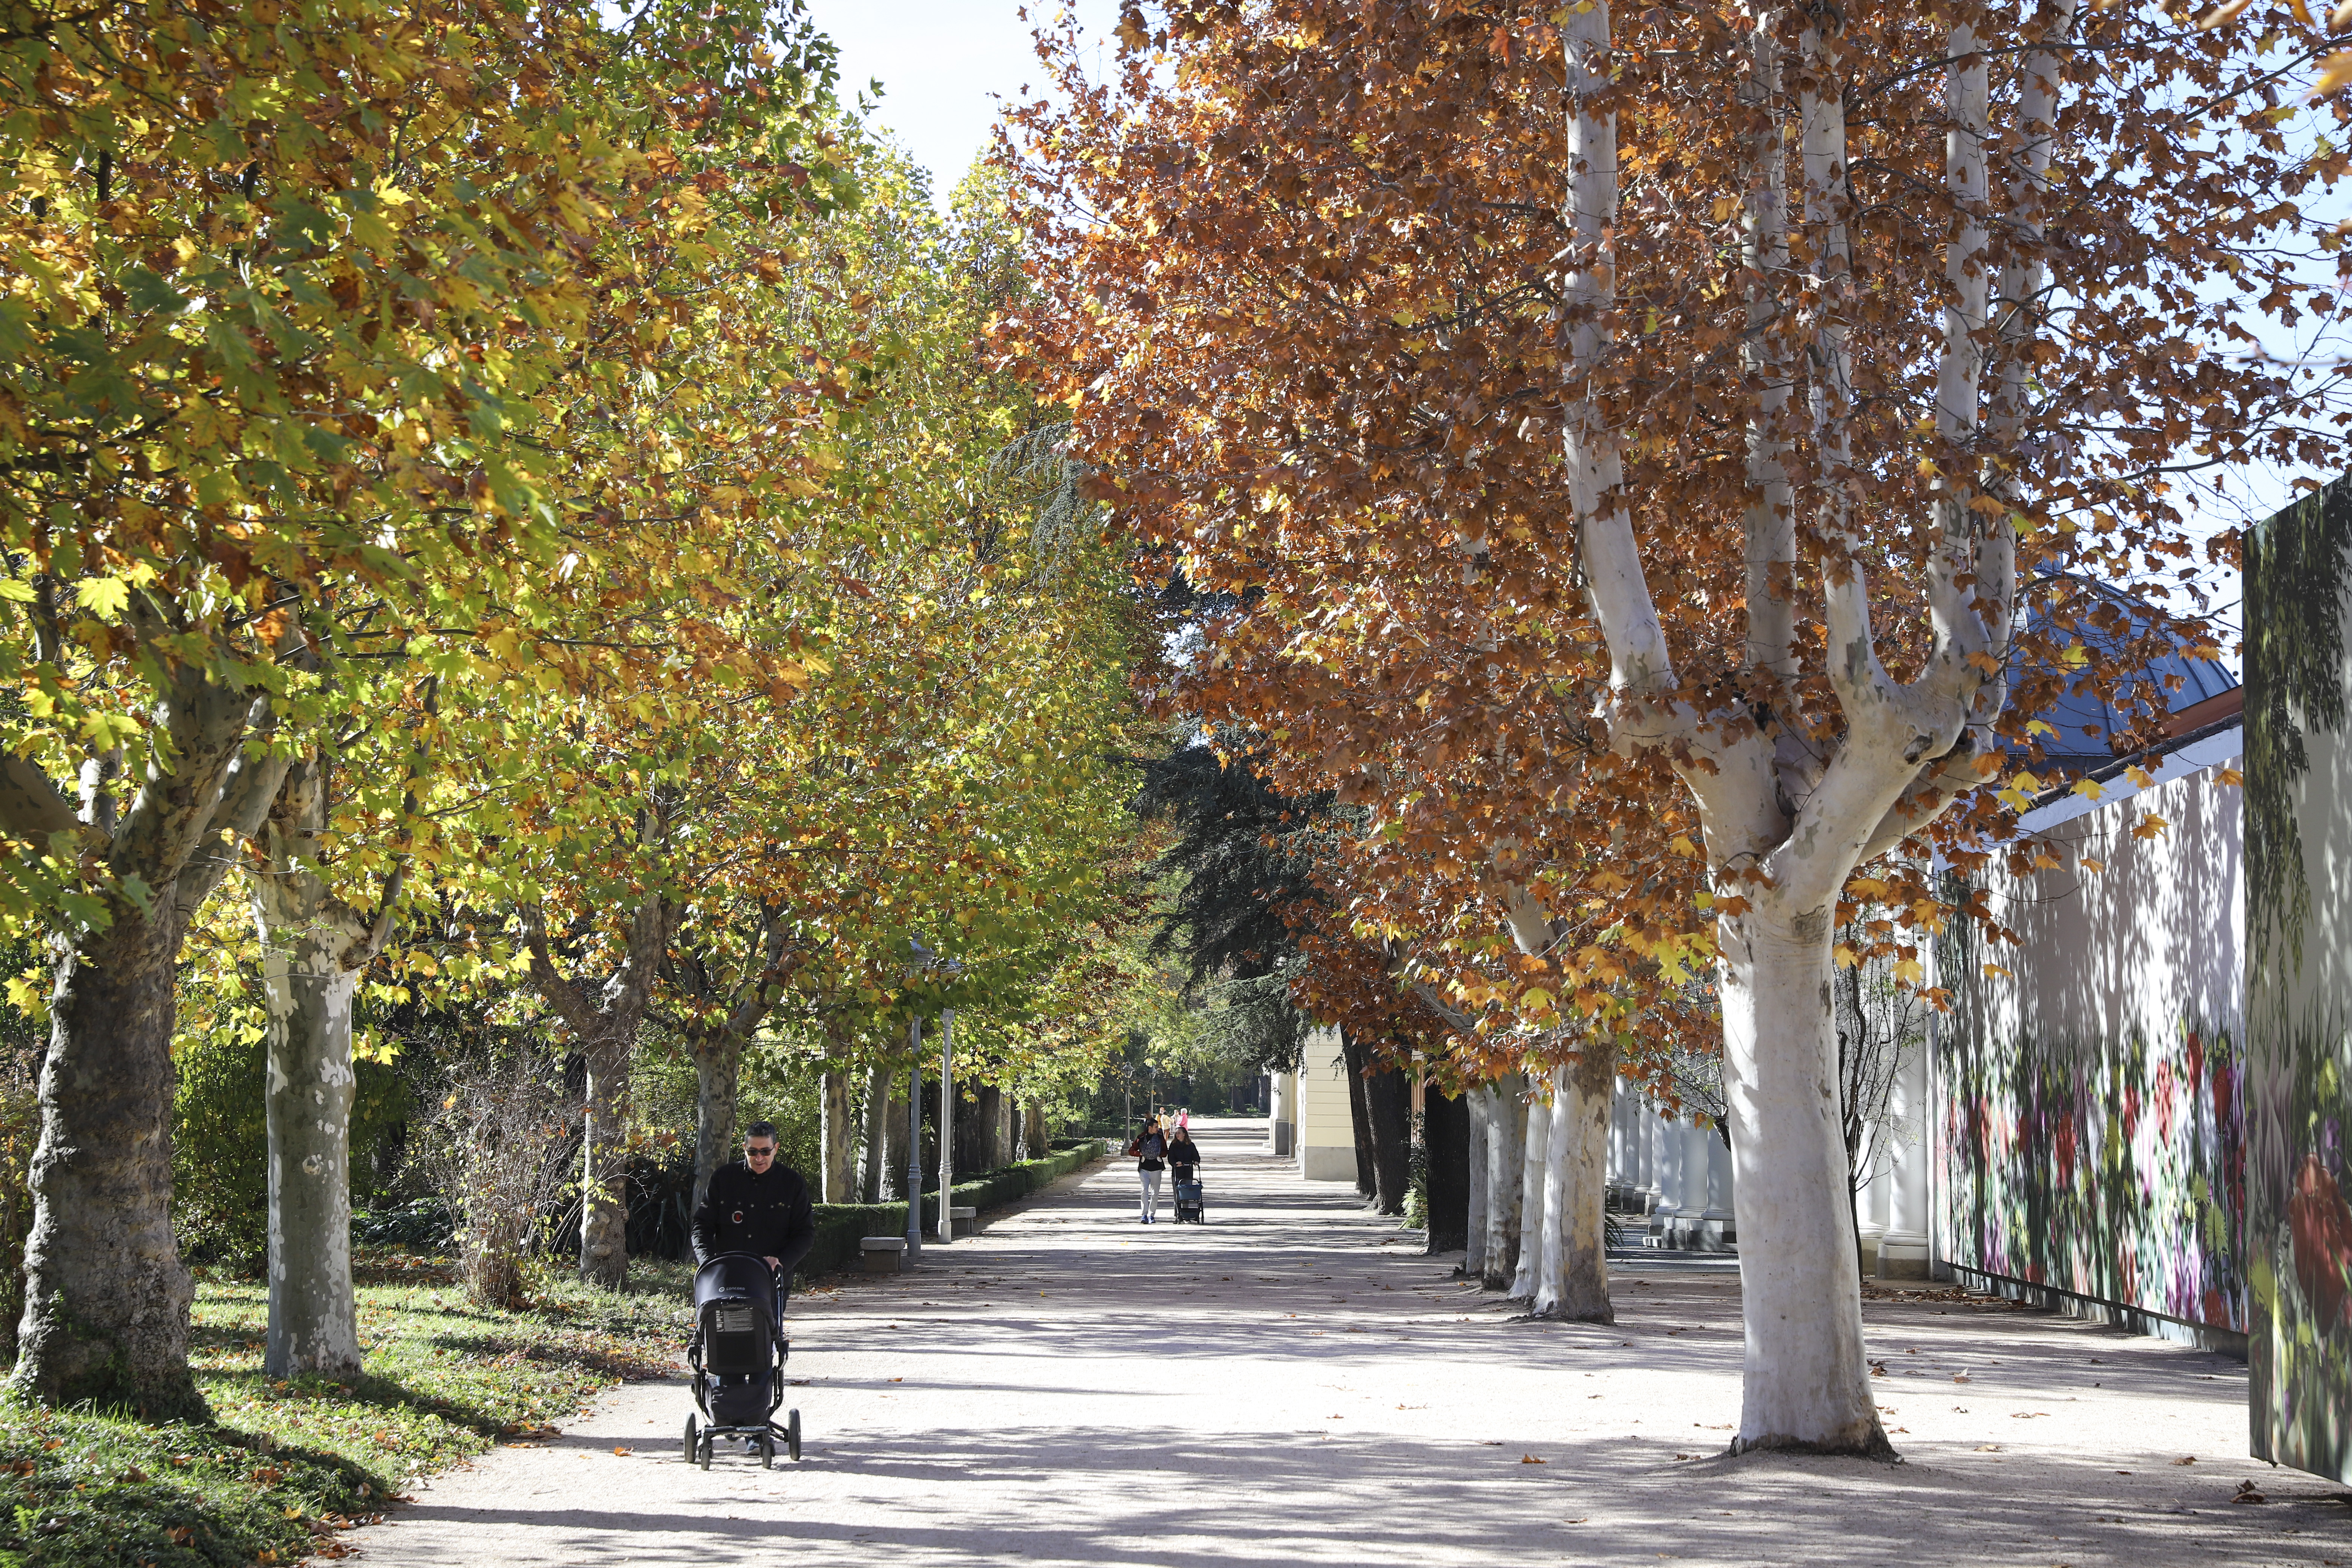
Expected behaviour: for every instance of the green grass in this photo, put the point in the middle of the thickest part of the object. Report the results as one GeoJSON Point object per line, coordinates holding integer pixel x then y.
{"type": "Point", "coordinates": [284, 1466]}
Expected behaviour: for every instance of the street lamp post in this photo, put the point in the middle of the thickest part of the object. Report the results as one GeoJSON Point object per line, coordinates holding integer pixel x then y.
{"type": "Point", "coordinates": [947, 1121]}
{"type": "Point", "coordinates": [915, 1142]}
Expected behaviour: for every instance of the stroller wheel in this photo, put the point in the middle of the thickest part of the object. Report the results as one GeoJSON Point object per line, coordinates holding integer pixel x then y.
{"type": "Point", "coordinates": [691, 1446]}
{"type": "Point", "coordinates": [702, 1454]}
{"type": "Point", "coordinates": [792, 1435]}
{"type": "Point", "coordinates": [767, 1453]}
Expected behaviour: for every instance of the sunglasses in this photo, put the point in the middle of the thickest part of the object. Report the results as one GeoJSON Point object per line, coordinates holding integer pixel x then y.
{"type": "Point", "coordinates": [752, 1153]}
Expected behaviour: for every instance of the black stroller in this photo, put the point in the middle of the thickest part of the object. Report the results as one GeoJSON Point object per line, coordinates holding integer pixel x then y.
{"type": "Point", "coordinates": [1189, 1203]}
{"type": "Point", "coordinates": [738, 1353]}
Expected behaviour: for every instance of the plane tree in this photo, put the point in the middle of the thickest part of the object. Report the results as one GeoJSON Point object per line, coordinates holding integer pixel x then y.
{"type": "Point", "coordinates": [1688, 407]}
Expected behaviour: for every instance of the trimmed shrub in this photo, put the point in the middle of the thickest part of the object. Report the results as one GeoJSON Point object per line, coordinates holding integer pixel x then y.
{"type": "Point", "coordinates": [841, 1226]}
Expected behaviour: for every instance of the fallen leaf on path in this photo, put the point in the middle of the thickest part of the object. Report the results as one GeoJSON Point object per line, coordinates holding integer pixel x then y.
{"type": "Point", "coordinates": [1988, 1447]}
{"type": "Point", "coordinates": [1960, 1377]}
{"type": "Point", "coordinates": [2186, 1459]}
{"type": "Point", "coordinates": [1529, 1459]}
{"type": "Point", "coordinates": [624, 1453]}
{"type": "Point", "coordinates": [2026, 1415]}
{"type": "Point", "coordinates": [2248, 1492]}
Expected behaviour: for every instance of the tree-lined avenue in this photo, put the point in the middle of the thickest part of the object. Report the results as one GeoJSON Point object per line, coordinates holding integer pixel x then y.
{"type": "Point", "coordinates": [1293, 1382]}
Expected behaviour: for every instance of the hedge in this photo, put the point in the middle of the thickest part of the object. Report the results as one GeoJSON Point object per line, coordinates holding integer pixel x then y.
{"type": "Point", "coordinates": [841, 1226]}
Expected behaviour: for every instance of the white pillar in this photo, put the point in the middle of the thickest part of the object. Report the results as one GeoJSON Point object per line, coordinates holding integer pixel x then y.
{"type": "Point", "coordinates": [1696, 1140]}
{"type": "Point", "coordinates": [1903, 1249]}
{"type": "Point", "coordinates": [1648, 1142]}
{"type": "Point", "coordinates": [1667, 1167]}
{"type": "Point", "coordinates": [1620, 1142]}
{"type": "Point", "coordinates": [1282, 1118]}
{"type": "Point", "coordinates": [1720, 1212]}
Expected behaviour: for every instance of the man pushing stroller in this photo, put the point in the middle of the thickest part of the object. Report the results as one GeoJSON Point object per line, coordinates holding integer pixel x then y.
{"type": "Point", "coordinates": [755, 1212]}
{"type": "Point", "coordinates": [757, 1205]}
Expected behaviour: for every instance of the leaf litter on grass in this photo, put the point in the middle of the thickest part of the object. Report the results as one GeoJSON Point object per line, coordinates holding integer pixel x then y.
{"type": "Point", "coordinates": [285, 1466]}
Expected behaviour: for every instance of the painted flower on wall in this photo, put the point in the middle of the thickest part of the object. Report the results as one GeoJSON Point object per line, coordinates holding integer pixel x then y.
{"type": "Point", "coordinates": [2321, 1223]}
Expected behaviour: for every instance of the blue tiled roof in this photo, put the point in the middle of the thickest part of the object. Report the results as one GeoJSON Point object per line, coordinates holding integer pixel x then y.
{"type": "Point", "coordinates": [2087, 725]}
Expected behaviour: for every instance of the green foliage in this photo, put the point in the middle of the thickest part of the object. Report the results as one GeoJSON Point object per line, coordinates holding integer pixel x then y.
{"type": "Point", "coordinates": [290, 1463]}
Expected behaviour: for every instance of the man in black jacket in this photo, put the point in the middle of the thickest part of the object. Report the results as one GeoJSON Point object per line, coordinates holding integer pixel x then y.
{"type": "Point", "coordinates": [754, 1204]}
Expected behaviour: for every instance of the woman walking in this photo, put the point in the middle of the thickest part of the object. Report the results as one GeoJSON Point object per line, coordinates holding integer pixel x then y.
{"type": "Point", "coordinates": [1184, 1155]}
{"type": "Point", "coordinates": [1149, 1152]}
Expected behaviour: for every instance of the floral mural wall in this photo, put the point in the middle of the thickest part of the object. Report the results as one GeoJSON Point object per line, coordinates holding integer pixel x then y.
{"type": "Point", "coordinates": [2299, 985]}
{"type": "Point", "coordinates": [2112, 1171]}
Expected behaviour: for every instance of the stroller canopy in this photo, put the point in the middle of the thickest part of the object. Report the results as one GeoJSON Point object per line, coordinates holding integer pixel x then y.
{"type": "Point", "coordinates": [739, 1277]}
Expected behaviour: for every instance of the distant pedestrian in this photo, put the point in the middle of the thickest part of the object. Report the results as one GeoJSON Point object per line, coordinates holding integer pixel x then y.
{"type": "Point", "coordinates": [1150, 1152]}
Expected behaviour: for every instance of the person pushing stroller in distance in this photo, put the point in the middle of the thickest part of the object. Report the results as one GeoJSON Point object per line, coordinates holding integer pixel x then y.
{"type": "Point", "coordinates": [1184, 1170]}
{"type": "Point", "coordinates": [752, 1227]}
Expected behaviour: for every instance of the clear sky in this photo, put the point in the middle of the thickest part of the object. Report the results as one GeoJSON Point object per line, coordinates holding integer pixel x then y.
{"type": "Point", "coordinates": [942, 65]}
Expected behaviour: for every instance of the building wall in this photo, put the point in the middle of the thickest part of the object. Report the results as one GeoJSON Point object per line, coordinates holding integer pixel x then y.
{"type": "Point", "coordinates": [2299, 984]}
{"type": "Point", "coordinates": [2089, 1075]}
{"type": "Point", "coordinates": [1326, 1129]}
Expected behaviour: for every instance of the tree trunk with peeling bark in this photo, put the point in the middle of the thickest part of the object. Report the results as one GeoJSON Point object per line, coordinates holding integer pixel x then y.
{"type": "Point", "coordinates": [895, 1153]}
{"type": "Point", "coordinates": [314, 947]}
{"type": "Point", "coordinates": [106, 1295]}
{"type": "Point", "coordinates": [838, 1139]}
{"type": "Point", "coordinates": [604, 1022]}
{"type": "Point", "coordinates": [1507, 1130]}
{"type": "Point", "coordinates": [875, 1158]}
{"type": "Point", "coordinates": [1479, 1107]}
{"type": "Point", "coordinates": [717, 1085]}
{"type": "Point", "coordinates": [1787, 813]}
{"type": "Point", "coordinates": [1535, 1151]}
{"type": "Point", "coordinates": [1573, 1282]}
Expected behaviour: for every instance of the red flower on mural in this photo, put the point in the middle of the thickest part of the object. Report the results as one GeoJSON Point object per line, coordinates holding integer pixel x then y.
{"type": "Point", "coordinates": [2321, 1223]}
{"type": "Point", "coordinates": [2066, 1146]}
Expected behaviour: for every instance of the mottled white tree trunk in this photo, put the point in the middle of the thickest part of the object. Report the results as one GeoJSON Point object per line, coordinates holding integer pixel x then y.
{"type": "Point", "coordinates": [1481, 1109]}
{"type": "Point", "coordinates": [313, 946]}
{"type": "Point", "coordinates": [604, 1020]}
{"type": "Point", "coordinates": [875, 1158]}
{"type": "Point", "coordinates": [1574, 1280]}
{"type": "Point", "coordinates": [717, 1085]}
{"type": "Point", "coordinates": [313, 1313]}
{"type": "Point", "coordinates": [1791, 802]}
{"type": "Point", "coordinates": [1807, 1385]}
{"type": "Point", "coordinates": [1507, 1127]}
{"type": "Point", "coordinates": [837, 1136]}
{"type": "Point", "coordinates": [1535, 1151]}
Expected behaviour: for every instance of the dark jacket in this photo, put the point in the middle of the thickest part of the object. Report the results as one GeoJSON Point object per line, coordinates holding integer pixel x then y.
{"type": "Point", "coordinates": [767, 1216]}
{"type": "Point", "coordinates": [1185, 1154]}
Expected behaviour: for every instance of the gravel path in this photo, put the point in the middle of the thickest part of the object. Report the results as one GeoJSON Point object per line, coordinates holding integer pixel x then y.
{"type": "Point", "coordinates": [1294, 1383]}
